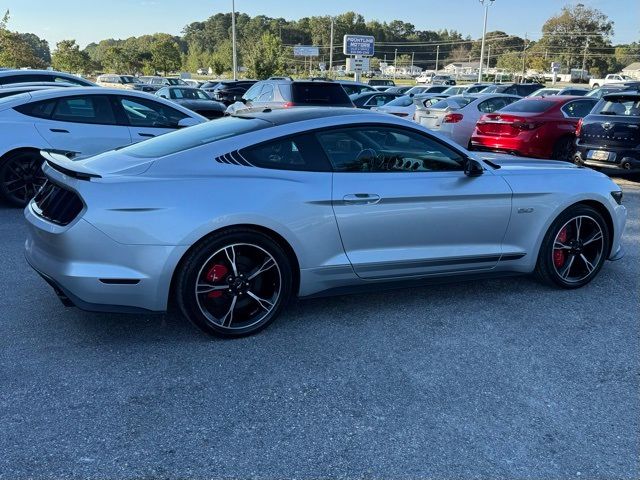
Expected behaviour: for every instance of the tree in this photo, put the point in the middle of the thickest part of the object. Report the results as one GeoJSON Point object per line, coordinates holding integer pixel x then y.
{"type": "Point", "coordinates": [221, 60]}
{"type": "Point", "coordinates": [69, 58]}
{"type": "Point", "coordinates": [16, 50]}
{"type": "Point", "coordinates": [165, 55]}
{"type": "Point", "coordinates": [265, 57]}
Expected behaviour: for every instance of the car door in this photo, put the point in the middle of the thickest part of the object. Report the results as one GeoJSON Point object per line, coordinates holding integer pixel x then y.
{"type": "Point", "coordinates": [147, 118]}
{"type": "Point", "coordinates": [405, 207]}
{"type": "Point", "coordinates": [85, 124]}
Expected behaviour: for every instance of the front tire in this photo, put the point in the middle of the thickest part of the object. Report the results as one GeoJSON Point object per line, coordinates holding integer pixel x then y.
{"type": "Point", "coordinates": [235, 283]}
{"type": "Point", "coordinates": [574, 248]}
{"type": "Point", "coordinates": [21, 177]}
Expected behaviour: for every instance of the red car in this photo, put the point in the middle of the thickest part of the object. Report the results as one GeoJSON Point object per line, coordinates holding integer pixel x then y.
{"type": "Point", "coordinates": [541, 127]}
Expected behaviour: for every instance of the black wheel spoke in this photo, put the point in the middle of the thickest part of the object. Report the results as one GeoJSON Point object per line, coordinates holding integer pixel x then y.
{"type": "Point", "coordinates": [580, 244]}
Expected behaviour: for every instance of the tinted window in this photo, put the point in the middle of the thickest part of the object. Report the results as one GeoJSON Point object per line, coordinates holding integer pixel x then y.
{"type": "Point", "coordinates": [403, 101]}
{"type": "Point", "coordinates": [493, 104]}
{"type": "Point", "coordinates": [253, 92]}
{"type": "Point", "coordinates": [619, 106]}
{"type": "Point", "coordinates": [291, 153]}
{"type": "Point", "coordinates": [378, 100]}
{"type": "Point", "coordinates": [453, 102]}
{"type": "Point", "coordinates": [41, 109]}
{"type": "Point", "coordinates": [141, 112]}
{"type": "Point", "coordinates": [266, 95]}
{"type": "Point", "coordinates": [76, 81]}
{"type": "Point", "coordinates": [386, 149]}
{"type": "Point", "coordinates": [525, 89]}
{"type": "Point", "coordinates": [529, 106]}
{"type": "Point", "coordinates": [319, 94]}
{"type": "Point", "coordinates": [578, 109]}
{"type": "Point", "coordinates": [19, 78]}
{"type": "Point", "coordinates": [86, 109]}
{"type": "Point", "coordinates": [194, 137]}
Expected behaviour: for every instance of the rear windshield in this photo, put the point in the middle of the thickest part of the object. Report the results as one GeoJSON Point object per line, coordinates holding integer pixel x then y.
{"type": "Point", "coordinates": [529, 106]}
{"type": "Point", "coordinates": [319, 94]}
{"type": "Point", "coordinates": [453, 102]}
{"type": "Point", "coordinates": [403, 101]}
{"type": "Point", "coordinates": [196, 136]}
{"type": "Point", "coordinates": [629, 107]}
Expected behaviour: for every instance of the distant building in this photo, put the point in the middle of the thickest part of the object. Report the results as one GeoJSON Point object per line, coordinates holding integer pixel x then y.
{"type": "Point", "coordinates": [632, 70]}
{"type": "Point", "coordinates": [462, 68]}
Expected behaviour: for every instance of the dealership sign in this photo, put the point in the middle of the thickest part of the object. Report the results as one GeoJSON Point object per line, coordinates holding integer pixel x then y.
{"type": "Point", "coordinates": [306, 51]}
{"type": "Point", "coordinates": [359, 45]}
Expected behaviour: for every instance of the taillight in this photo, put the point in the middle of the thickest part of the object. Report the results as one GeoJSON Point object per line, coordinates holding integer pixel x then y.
{"type": "Point", "coordinates": [288, 104]}
{"type": "Point", "coordinates": [524, 125]}
{"type": "Point", "coordinates": [452, 118]}
{"type": "Point", "coordinates": [579, 128]}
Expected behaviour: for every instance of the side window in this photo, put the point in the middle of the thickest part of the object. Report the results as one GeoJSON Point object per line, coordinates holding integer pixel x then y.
{"type": "Point", "coordinates": [511, 90]}
{"type": "Point", "coordinates": [577, 109]}
{"type": "Point", "coordinates": [94, 109]}
{"type": "Point", "coordinates": [386, 149]}
{"type": "Point", "coordinates": [176, 93]}
{"type": "Point", "coordinates": [300, 152]}
{"type": "Point", "coordinates": [267, 94]}
{"type": "Point", "coordinates": [163, 92]}
{"type": "Point", "coordinates": [377, 101]}
{"type": "Point", "coordinates": [68, 80]}
{"type": "Point", "coordinates": [141, 112]}
{"type": "Point", "coordinates": [493, 104]}
{"type": "Point", "coordinates": [253, 93]}
{"type": "Point", "coordinates": [41, 109]}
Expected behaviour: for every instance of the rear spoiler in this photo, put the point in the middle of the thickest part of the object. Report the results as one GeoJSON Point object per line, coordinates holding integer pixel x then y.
{"type": "Point", "coordinates": [61, 160]}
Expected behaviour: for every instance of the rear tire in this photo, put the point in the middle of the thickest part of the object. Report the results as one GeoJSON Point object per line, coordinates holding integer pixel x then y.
{"type": "Point", "coordinates": [235, 283]}
{"type": "Point", "coordinates": [564, 149]}
{"type": "Point", "coordinates": [574, 248]}
{"type": "Point", "coordinates": [21, 177]}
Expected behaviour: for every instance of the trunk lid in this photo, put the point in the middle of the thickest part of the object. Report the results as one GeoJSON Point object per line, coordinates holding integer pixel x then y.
{"type": "Point", "coordinates": [611, 131]}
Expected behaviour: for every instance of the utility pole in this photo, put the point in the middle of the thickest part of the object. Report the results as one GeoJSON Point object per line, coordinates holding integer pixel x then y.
{"type": "Point", "coordinates": [584, 60]}
{"type": "Point", "coordinates": [437, 56]}
{"type": "Point", "coordinates": [413, 54]}
{"type": "Point", "coordinates": [524, 57]}
{"type": "Point", "coordinates": [484, 34]}
{"type": "Point", "coordinates": [488, 58]}
{"type": "Point", "coordinates": [233, 39]}
{"type": "Point", "coordinates": [395, 64]}
{"type": "Point", "coordinates": [331, 49]}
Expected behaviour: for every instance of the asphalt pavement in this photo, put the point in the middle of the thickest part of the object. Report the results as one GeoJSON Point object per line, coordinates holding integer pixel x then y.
{"type": "Point", "coordinates": [488, 379]}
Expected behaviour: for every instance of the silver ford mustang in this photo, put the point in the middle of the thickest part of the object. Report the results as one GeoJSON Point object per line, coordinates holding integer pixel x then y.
{"type": "Point", "coordinates": [231, 218]}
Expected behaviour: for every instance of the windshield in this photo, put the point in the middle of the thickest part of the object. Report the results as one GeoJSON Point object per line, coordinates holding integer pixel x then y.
{"type": "Point", "coordinates": [196, 136]}
{"type": "Point", "coordinates": [190, 94]}
{"type": "Point", "coordinates": [529, 106]}
{"type": "Point", "coordinates": [454, 103]}
{"type": "Point", "coordinates": [414, 90]}
{"type": "Point", "coordinates": [625, 106]}
{"type": "Point", "coordinates": [129, 79]}
{"type": "Point", "coordinates": [403, 101]}
{"type": "Point", "coordinates": [176, 81]}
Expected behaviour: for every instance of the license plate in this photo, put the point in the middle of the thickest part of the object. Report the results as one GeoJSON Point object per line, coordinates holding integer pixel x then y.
{"type": "Point", "coordinates": [602, 155]}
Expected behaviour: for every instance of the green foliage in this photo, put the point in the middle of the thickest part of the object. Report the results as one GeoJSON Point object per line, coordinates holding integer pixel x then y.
{"type": "Point", "coordinates": [264, 58]}
{"type": "Point", "coordinates": [165, 54]}
{"type": "Point", "coordinates": [21, 50]}
{"type": "Point", "coordinates": [69, 58]}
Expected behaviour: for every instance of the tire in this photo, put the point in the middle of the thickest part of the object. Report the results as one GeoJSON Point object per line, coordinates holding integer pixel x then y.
{"type": "Point", "coordinates": [20, 177]}
{"type": "Point", "coordinates": [595, 85]}
{"type": "Point", "coordinates": [564, 149]}
{"type": "Point", "coordinates": [234, 302]}
{"type": "Point", "coordinates": [574, 248]}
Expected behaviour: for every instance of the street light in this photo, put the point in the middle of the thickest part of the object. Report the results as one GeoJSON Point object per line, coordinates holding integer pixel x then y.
{"type": "Point", "coordinates": [233, 39]}
{"type": "Point", "coordinates": [486, 4]}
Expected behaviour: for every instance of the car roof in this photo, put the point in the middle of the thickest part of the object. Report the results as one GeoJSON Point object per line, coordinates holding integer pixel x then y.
{"type": "Point", "coordinates": [557, 98]}
{"type": "Point", "coordinates": [281, 116]}
{"type": "Point", "coordinates": [625, 94]}
{"type": "Point", "coordinates": [14, 71]}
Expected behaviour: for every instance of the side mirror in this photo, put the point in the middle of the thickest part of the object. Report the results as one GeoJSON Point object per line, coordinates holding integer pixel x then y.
{"type": "Point", "coordinates": [241, 99]}
{"type": "Point", "coordinates": [163, 96]}
{"type": "Point", "coordinates": [188, 122]}
{"type": "Point", "coordinates": [473, 168]}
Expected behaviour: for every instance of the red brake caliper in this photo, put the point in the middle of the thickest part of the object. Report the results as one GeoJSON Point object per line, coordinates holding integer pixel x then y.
{"type": "Point", "coordinates": [559, 255]}
{"type": "Point", "coordinates": [214, 274]}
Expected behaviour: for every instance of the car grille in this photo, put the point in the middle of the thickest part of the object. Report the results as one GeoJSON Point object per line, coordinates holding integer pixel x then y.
{"type": "Point", "coordinates": [56, 204]}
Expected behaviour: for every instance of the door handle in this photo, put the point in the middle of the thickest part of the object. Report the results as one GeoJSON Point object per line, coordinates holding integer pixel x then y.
{"type": "Point", "coordinates": [59, 130]}
{"type": "Point", "coordinates": [150, 135]}
{"type": "Point", "coordinates": [361, 199]}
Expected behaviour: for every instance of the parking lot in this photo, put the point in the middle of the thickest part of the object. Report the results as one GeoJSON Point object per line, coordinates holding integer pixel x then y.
{"type": "Point", "coordinates": [490, 379]}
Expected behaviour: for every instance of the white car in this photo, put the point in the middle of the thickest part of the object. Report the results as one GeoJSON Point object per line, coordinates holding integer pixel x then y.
{"type": "Point", "coordinates": [456, 116]}
{"type": "Point", "coordinates": [8, 77]}
{"type": "Point", "coordinates": [79, 122]}
{"type": "Point", "coordinates": [405, 106]}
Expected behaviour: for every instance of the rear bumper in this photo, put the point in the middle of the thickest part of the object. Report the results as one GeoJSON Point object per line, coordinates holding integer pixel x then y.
{"type": "Point", "coordinates": [626, 159]}
{"type": "Point", "coordinates": [523, 145]}
{"type": "Point", "coordinates": [90, 270]}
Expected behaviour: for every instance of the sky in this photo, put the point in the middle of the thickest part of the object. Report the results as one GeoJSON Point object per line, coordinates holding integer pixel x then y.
{"type": "Point", "coordinates": [90, 21]}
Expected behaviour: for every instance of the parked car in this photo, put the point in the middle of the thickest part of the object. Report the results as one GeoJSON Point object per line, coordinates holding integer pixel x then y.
{"type": "Point", "coordinates": [373, 99]}
{"type": "Point", "coordinates": [520, 89]}
{"type": "Point", "coordinates": [612, 78]}
{"type": "Point", "coordinates": [193, 83]}
{"type": "Point", "coordinates": [210, 86]}
{"type": "Point", "coordinates": [378, 82]}
{"type": "Point", "coordinates": [405, 106]}
{"type": "Point", "coordinates": [159, 82]}
{"type": "Point", "coordinates": [456, 90]}
{"type": "Point", "coordinates": [478, 87]}
{"type": "Point", "coordinates": [79, 121]}
{"type": "Point", "coordinates": [18, 88]}
{"type": "Point", "coordinates": [420, 89]}
{"type": "Point", "coordinates": [612, 88]}
{"type": "Point", "coordinates": [609, 136]}
{"type": "Point", "coordinates": [544, 92]}
{"type": "Point", "coordinates": [127, 82]}
{"type": "Point", "coordinates": [577, 92]}
{"type": "Point", "coordinates": [442, 80]}
{"type": "Point", "coordinates": [533, 127]}
{"type": "Point", "coordinates": [230, 219]}
{"type": "Point", "coordinates": [195, 100]}
{"type": "Point", "coordinates": [425, 77]}
{"type": "Point", "coordinates": [354, 87]}
{"type": "Point", "coordinates": [8, 77]}
{"type": "Point", "coordinates": [456, 116]}
{"type": "Point", "coordinates": [230, 91]}
{"type": "Point", "coordinates": [291, 93]}
{"type": "Point", "coordinates": [400, 89]}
